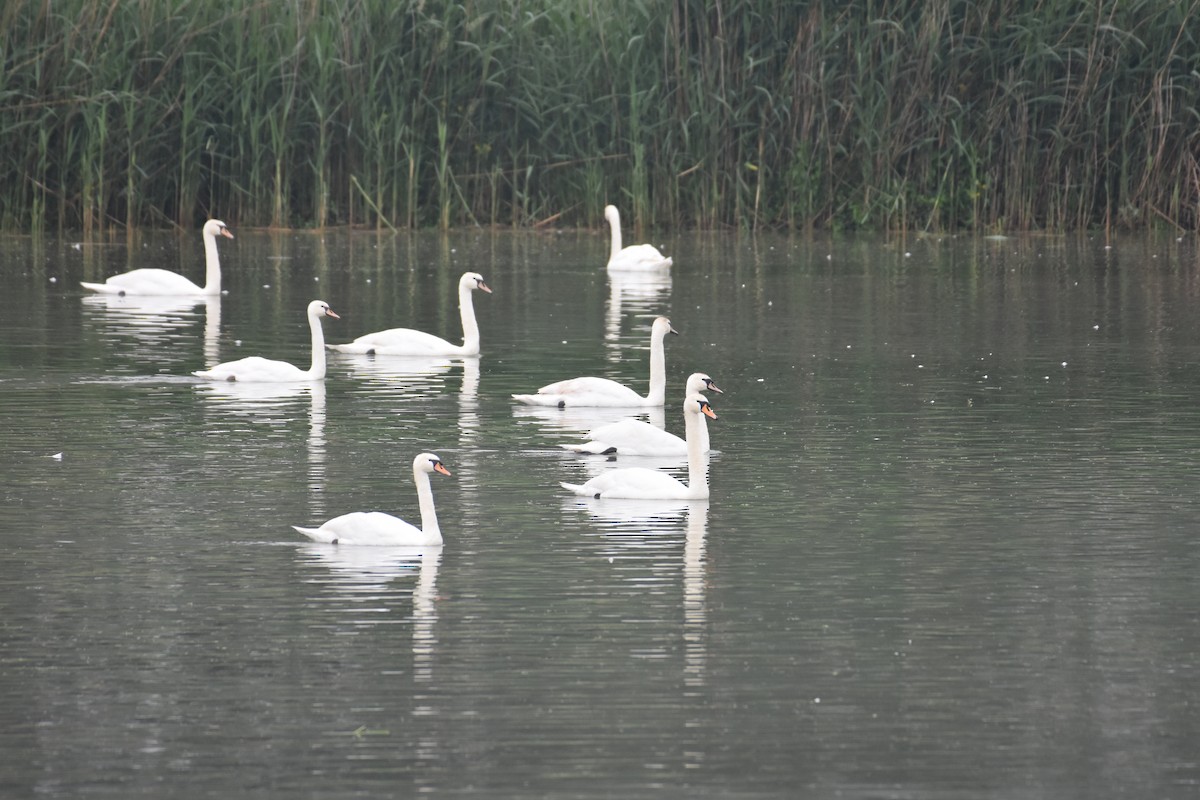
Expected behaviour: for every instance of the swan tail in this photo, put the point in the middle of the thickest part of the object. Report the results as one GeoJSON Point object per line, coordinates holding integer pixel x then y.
{"type": "Point", "coordinates": [595, 448]}
{"type": "Point", "coordinates": [350, 348]}
{"type": "Point", "coordinates": [316, 534]}
{"type": "Point", "coordinates": [103, 288]}
{"type": "Point", "coordinates": [579, 489]}
{"type": "Point", "coordinates": [551, 400]}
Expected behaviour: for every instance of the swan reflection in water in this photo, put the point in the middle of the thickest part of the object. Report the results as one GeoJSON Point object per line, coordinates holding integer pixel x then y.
{"type": "Point", "coordinates": [159, 321]}
{"type": "Point", "coordinates": [637, 534]}
{"type": "Point", "coordinates": [370, 584]}
{"type": "Point", "coordinates": [409, 378]}
{"type": "Point", "coordinates": [275, 404]}
{"type": "Point", "coordinates": [420, 375]}
{"type": "Point", "coordinates": [642, 294]}
{"type": "Point", "coordinates": [557, 421]}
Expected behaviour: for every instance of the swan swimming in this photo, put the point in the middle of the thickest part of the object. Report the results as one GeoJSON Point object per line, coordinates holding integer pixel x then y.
{"type": "Point", "coordinates": [376, 529]}
{"type": "Point", "coordinates": [164, 282]}
{"type": "Point", "coordinates": [589, 391]}
{"type": "Point", "coordinates": [265, 370]}
{"type": "Point", "coordinates": [643, 483]}
{"type": "Point", "coordinates": [636, 257]}
{"type": "Point", "coordinates": [409, 342]}
{"type": "Point", "coordinates": [635, 437]}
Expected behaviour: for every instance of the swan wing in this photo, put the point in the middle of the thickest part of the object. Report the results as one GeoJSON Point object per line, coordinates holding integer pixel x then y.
{"type": "Point", "coordinates": [254, 369]}
{"type": "Point", "coordinates": [369, 529]}
{"type": "Point", "coordinates": [632, 483]}
{"type": "Point", "coordinates": [632, 437]}
{"type": "Point", "coordinates": [587, 391]}
{"type": "Point", "coordinates": [146, 282]}
{"type": "Point", "coordinates": [639, 257]}
{"type": "Point", "coordinates": [401, 342]}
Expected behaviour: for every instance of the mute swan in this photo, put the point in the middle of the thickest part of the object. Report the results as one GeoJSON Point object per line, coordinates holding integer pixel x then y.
{"type": "Point", "coordinates": [409, 342]}
{"type": "Point", "coordinates": [374, 528]}
{"type": "Point", "coordinates": [265, 370]}
{"type": "Point", "coordinates": [636, 257]}
{"type": "Point", "coordinates": [634, 437]}
{"type": "Point", "coordinates": [164, 282]}
{"type": "Point", "coordinates": [642, 483]}
{"type": "Point", "coordinates": [604, 392]}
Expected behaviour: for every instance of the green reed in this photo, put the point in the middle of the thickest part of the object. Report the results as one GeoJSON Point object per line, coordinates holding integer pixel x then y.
{"type": "Point", "coordinates": [871, 114]}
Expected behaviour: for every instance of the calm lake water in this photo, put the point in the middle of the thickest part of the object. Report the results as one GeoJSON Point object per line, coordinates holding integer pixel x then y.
{"type": "Point", "coordinates": [951, 549]}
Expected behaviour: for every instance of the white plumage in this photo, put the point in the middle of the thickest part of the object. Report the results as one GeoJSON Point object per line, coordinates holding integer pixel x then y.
{"type": "Point", "coordinates": [147, 282]}
{"type": "Point", "coordinates": [642, 483]}
{"type": "Point", "coordinates": [265, 370]}
{"type": "Point", "coordinates": [636, 257]}
{"type": "Point", "coordinates": [410, 342]}
{"type": "Point", "coordinates": [376, 529]}
{"type": "Point", "coordinates": [590, 391]}
{"type": "Point", "coordinates": [635, 437]}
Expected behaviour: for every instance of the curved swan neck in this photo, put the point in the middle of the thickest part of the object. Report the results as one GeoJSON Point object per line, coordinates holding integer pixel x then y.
{"type": "Point", "coordinates": [614, 222]}
{"type": "Point", "coordinates": [658, 371]}
{"type": "Point", "coordinates": [696, 432]}
{"type": "Point", "coordinates": [429, 522]}
{"type": "Point", "coordinates": [466, 310]}
{"type": "Point", "coordinates": [317, 371]}
{"type": "Point", "coordinates": [212, 265]}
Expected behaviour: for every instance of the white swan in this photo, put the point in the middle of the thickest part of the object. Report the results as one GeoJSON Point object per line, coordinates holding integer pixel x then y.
{"type": "Point", "coordinates": [265, 370]}
{"type": "Point", "coordinates": [643, 483]}
{"type": "Point", "coordinates": [374, 528]}
{"type": "Point", "coordinates": [409, 342]}
{"type": "Point", "coordinates": [636, 257]}
{"type": "Point", "coordinates": [591, 391]}
{"type": "Point", "coordinates": [164, 282]}
{"type": "Point", "coordinates": [635, 437]}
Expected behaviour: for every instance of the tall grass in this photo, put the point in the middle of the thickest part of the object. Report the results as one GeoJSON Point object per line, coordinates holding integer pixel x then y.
{"type": "Point", "coordinates": [872, 114]}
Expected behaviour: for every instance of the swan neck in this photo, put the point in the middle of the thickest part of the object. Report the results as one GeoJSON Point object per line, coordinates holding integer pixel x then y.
{"type": "Point", "coordinates": [658, 372]}
{"type": "Point", "coordinates": [466, 310]}
{"type": "Point", "coordinates": [212, 265]}
{"type": "Point", "coordinates": [615, 224]}
{"type": "Point", "coordinates": [429, 522]}
{"type": "Point", "coordinates": [696, 432]}
{"type": "Point", "coordinates": [317, 371]}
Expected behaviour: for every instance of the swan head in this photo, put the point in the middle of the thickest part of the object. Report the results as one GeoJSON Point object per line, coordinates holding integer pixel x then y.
{"type": "Point", "coordinates": [215, 228]}
{"type": "Point", "coordinates": [472, 281]}
{"type": "Point", "coordinates": [662, 326]}
{"type": "Point", "coordinates": [319, 308]}
{"type": "Point", "coordinates": [698, 404]}
{"type": "Point", "coordinates": [428, 462]}
{"type": "Point", "coordinates": [612, 215]}
{"type": "Point", "coordinates": [699, 382]}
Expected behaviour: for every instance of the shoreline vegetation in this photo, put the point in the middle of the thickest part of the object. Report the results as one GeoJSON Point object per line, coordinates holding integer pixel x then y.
{"type": "Point", "coordinates": [977, 115]}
